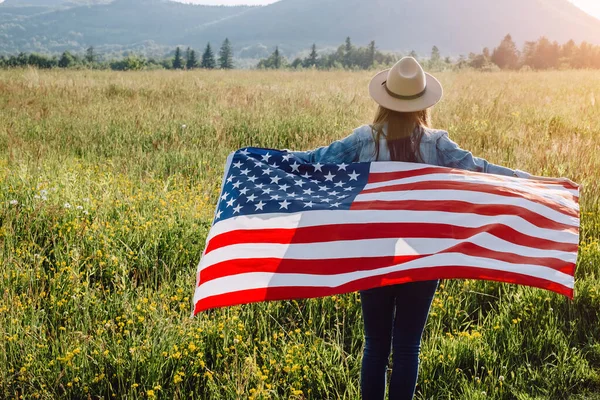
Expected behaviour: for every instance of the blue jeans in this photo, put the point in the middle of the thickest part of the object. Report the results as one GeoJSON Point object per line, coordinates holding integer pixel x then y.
{"type": "Point", "coordinates": [398, 312]}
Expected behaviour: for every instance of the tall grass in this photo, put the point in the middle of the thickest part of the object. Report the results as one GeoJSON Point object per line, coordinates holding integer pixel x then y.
{"type": "Point", "coordinates": [108, 185]}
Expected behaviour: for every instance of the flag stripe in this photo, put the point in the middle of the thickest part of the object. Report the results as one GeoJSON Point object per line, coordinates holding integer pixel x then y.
{"type": "Point", "coordinates": [256, 280]}
{"type": "Point", "coordinates": [462, 207]}
{"type": "Point", "coordinates": [486, 193]}
{"type": "Point", "coordinates": [371, 248]}
{"type": "Point", "coordinates": [345, 265]}
{"type": "Point", "coordinates": [302, 292]}
{"type": "Point", "coordinates": [386, 171]}
{"type": "Point", "coordinates": [330, 233]}
{"type": "Point", "coordinates": [560, 233]}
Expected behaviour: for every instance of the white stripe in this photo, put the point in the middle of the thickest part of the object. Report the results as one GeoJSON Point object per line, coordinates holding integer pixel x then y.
{"type": "Point", "coordinates": [469, 197]}
{"type": "Point", "coordinates": [396, 166]}
{"type": "Point", "coordinates": [369, 248]}
{"type": "Point", "coordinates": [258, 280]}
{"type": "Point", "coordinates": [553, 194]}
{"type": "Point", "coordinates": [325, 217]}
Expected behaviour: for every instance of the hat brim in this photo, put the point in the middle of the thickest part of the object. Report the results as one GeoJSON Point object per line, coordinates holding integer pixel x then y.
{"type": "Point", "coordinates": [378, 92]}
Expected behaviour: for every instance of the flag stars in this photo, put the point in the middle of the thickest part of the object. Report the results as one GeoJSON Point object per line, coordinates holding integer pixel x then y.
{"type": "Point", "coordinates": [244, 152]}
{"type": "Point", "coordinates": [266, 157]}
{"type": "Point", "coordinates": [339, 184]}
{"type": "Point", "coordinates": [259, 206]}
{"type": "Point", "coordinates": [284, 187]}
{"type": "Point", "coordinates": [219, 214]}
{"type": "Point", "coordinates": [308, 191]}
{"type": "Point", "coordinates": [329, 177]}
{"type": "Point", "coordinates": [295, 166]}
{"type": "Point", "coordinates": [275, 197]}
{"type": "Point", "coordinates": [310, 204]}
{"type": "Point", "coordinates": [230, 203]}
{"type": "Point", "coordinates": [244, 191]}
{"type": "Point", "coordinates": [245, 171]}
{"type": "Point", "coordinates": [237, 209]}
{"type": "Point", "coordinates": [252, 178]}
{"type": "Point", "coordinates": [225, 195]}
{"type": "Point", "coordinates": [238, 165]}
{"type": "Point", "coordinates": [318, 167]}
{"type": "Point", "coordinates": [284, 204]}
{"type": "Point", "coordinates": [354, 176]}
{"type": "Point", "coordinates": [267, 171]}
{"type": "Point", "coordinates": [287, 157]}
{"type": "Point", "coordinates": [251, 198]}
{"type": "Point", "coordinates": [275, 180]}
{"type": "Point", "coordinates": [299, 183]}
{"type": "Point", "coordinates": [267, 191]}
{"type": "Point", "coordinates": [342, 166]}
{"type": "Point", "coordinates": [237, 184]}
{"type": "Point", "coordinates": [335, 205]}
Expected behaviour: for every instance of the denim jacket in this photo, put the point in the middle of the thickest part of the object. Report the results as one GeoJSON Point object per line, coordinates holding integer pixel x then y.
{"type": "Point", "coordinates": [436, 149]}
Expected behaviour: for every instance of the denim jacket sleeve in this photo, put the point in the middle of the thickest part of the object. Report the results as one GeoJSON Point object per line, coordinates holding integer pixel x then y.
{"type": "Point", "coordinates": [346, 150]}
{"type": "Point", "coordinates": [451, 155]}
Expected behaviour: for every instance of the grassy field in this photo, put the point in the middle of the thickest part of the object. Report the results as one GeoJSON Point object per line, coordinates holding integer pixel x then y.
{"type": "Point", "coordinates": [107, 187]}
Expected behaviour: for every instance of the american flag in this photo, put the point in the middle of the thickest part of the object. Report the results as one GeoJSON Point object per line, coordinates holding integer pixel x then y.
{"type": "Point", "coordinates": [286, 229]}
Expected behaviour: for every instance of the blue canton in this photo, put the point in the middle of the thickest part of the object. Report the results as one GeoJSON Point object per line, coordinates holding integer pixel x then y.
{"type": "Point", "coordinates": [261, 181]}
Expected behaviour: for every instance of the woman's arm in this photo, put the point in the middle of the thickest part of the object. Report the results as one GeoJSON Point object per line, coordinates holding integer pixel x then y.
{"type": "Point", "coordinates": [451, 155]}
{"type": "Point", "coordinates": [346, 150]}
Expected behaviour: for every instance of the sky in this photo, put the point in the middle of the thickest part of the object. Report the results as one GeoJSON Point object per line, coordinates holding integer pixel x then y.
{"type": "Point", "coordinates": [590, 6]}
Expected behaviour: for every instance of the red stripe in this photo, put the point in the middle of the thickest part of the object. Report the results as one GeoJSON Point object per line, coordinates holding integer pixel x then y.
{"type": "Point", "coordinates": [476, 187]}
{"type": "Point", "coordinates": [383, 230]}
{"type": "Point", "coordinates": [376, 177]}
{"type": "Point", "coordinates": [453, 272]}
{"type": "Point", "coordinates": [456, 206]}
{"type": "Point", "coordinates": [348, 265]}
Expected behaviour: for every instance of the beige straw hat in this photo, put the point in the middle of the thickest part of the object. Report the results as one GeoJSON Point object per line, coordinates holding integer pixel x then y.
{"type": "Point", "coordinates": [405, 87]}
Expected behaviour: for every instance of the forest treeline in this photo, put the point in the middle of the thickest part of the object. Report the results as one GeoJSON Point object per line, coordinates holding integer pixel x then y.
{"type": "Point", "coordinates": [539, 55]}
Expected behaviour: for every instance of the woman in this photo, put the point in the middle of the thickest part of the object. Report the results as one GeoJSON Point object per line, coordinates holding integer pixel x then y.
{"type": "Point", "coordinates": [400, 132]}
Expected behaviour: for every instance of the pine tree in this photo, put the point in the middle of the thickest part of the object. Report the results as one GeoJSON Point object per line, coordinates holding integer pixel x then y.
{"type": "Point", "coordinates": [226, 55]}
{"type": "Point", "coordinates": [208, 58]}
{"type": "Point", "coordinates": [177, 61]}
{"type": "Point", "coordinates": [348, 53]}
{"type": "Point", "coordinates": [276, 58]}
{"type": "Point", "coordinates": [506, 55]}
{"type": "Point", "coordinates": [188, 52]}
{"type": "Point", "coordinates": [90, 55]}
{"type": "Point", "coordinates": [371, 54]}
{"type": "Point", "coordinates": [192, 62]}
{"type": "Point", "coordinates": [435, 55]}
{"type": "Point", "coordinates": [311, 61]}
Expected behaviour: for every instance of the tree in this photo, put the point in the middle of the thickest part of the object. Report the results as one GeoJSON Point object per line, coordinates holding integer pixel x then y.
{"type": "Point", "coordinates": [414, 55]}
{"type": "Point", "coordinates": [208, 58]}
{"type": "Point", "coordinates": [66, 60]}
{"type": "Point", "coordinates": [348, 49]}
{"type": "Point", "coordinates": [275, 61]}
{"type": "Point", "coordinates": [192, 62]}
{"type": "Point", "coordinates": [311, 61]}
{"type": "Point", "coordinates": [371, 50]}
{"type": "Point", "coordinates": [276, 58]}
{"type": "Point", "coordinates": [506, 56]}
{"type": "Point", "coordinates": [226, 55]}
{"type": "Point", "coordinates": [90, 55]}
{"type": "Point", "coordinates": [177, 61]}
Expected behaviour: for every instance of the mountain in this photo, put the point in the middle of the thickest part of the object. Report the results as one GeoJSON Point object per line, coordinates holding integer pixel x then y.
{"type": "Point", "coordinates": [118, 25]}
{"type": "Point", "coordinates": [456, 26]}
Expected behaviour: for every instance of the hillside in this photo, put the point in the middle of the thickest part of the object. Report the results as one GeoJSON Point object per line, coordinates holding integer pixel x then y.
{"type": "Point", "coordinates": [456, 27]}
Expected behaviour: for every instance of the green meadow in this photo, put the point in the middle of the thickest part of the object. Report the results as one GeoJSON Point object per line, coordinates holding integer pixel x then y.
{"type": "Point", "coordinates": [108, 183]}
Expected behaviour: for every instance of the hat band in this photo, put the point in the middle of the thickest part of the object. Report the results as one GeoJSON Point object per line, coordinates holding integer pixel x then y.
{"type": "Point", "coordinates": [401, 97]}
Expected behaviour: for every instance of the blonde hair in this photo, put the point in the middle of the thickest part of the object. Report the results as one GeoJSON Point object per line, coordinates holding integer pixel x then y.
{"type": "Point", "coordinates": [404, 132]}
